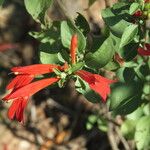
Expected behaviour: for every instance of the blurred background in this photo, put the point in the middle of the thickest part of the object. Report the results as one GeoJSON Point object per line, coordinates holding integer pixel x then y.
{"type": "Point", "coordinates": [56, 119]}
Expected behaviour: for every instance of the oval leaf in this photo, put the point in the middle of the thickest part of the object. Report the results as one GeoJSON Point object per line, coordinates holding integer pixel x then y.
{"type": "Point", "coordinates": [128, 35]}
{"type": "Point", "coordinates": [125, 98]}
{"type": "Point", "coordinates": [36, 7]}
{"type": "Point", "coordinates": [128, 128]}
{"type": "Point", "coordinates": [102, 56]}
{"type": "Point", "coordinates": [83, 88]}
{"type": "Point", "coordinates": [47, 54]}
{"type": "Point", "coordinates": [133, 8]}
{"type": "Point", "coordinates": [142, 133]}
{"type": "Point", "coordinates": [67, 30]}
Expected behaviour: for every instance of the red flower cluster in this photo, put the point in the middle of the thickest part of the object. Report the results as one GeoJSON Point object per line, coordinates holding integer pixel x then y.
{"type": "Point", "coordinates": [22, 86]}
{"type": "Point", "coordinates": [144, 51]}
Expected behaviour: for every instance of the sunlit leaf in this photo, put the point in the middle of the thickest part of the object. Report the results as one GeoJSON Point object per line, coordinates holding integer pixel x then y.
{"type": "Point", "coordinates": [142, 133]}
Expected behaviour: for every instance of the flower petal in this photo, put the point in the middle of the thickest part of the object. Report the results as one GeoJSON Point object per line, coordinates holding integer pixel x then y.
{"type": "Point", "coordinates": [16, 110]}
{"type": "Point", "coordinates": [147, 46]}
{"type": "Point", "coordinates": [103, 79]}
{"type": "Point", "coordinates": [102, 88]}
{"type": "Point", "coordinates": [36, 69]}
{"type": "Point", "coordinates": [97, 83]}
{"type": "Point", "coordinates": [30, 89]}
{"type": "Point", "coordinates": [19, 81]}
{"type": "Point", "coordinates": [87, 76]}
{"type": "Point", "coordinates": [143, 52]}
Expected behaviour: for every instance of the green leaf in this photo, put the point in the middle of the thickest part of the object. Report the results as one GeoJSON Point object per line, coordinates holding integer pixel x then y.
{"type": "Point", "coordinates": [128, 129]}
{"type": "Point", "coordinates": [121, 8]}
{"type": "Point", "coordinates": [36, 7]}
{"type": "Point", "coordinates": [128, 35]}
{"type": "Point", "coordinates": [112, 66]}
{"type": "Point", "coordinates": [67, 30]}
{"type": "Point", "coordinates": [82, 24]}
{"type": "Point", "coordinates": [147, 78]}
{"type": "Point", "coordinates": [57, 72]}
{"type": "Point", "coordinates": [75, 67]}
{"type": "Point", "coordinates": [133, 8]}
{"type": "Point", "coordinates": [97, 41]}
{"type": "Point", "coordinates": [48, 55]}
{"type": "Point", "coordinates": [136, 115]}
{"type": "Point", "coordinates": [146, 109]}
{"type": "Point", "coordinates": [116, 42]}
{"type": "Point", "coordinates": [116, 25]}
{"type": "Point", "coordinates": [129, 51]}
{"type": "Point", "coordinates": [142, 71]}
{"type": "Point", "coordinates": [102, 56]}
{"type": "Point", "coordinates": [130, 64]}
{"type": "Point", "coordinates": [89, 126]}
{"type": "Point", "coordinates": [51, 50]}
{"type": "Point", "coordinates": [125, 98]}
{"type": "Point", "coordinates": [142, 133]}
{"type": "Point", "coordinates": [146, 88]}
{"type": "Point", "coordinates": [115, 21]}
{"type": "Point", "coordinates": [92, 119]}
{"type": "Point", "coordinates": [102, 124]}
{"type": "Point", "coordinates": [83, 88]}
{"type": "Point", "coordinates": [50, 35]}
{"type": "Point", "coordinates": [126, 74]}
{"type": "Point", "coordinates": [63, 56]}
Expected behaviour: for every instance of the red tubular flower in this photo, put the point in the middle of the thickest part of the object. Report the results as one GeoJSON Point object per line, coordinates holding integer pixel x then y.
{"type": "Point", "coordinates": [97, 83]}
{"type": "Point", "coordinates": [147, 46]}
{"type": "Point", "coordinates": [20, 81]}
{"type": "Point", "coordinates": [144, 51]}
{"type": "Point", "coordinates": [22, 87]}
{"type": "Point", "coordinates": [26, 74]}
{"type": "Point", "coordinates": [30, 89]}
{"type": "Point", "coordinates": [20, 97]}
{"type": "Point", "coordinates": [16, 110]}
{"type": "Point", "coordinates": [36, 69]}
{"type": "Point", "coordinates": [73, 48]}
{"type": "Point", "coordinates": [138, 13]}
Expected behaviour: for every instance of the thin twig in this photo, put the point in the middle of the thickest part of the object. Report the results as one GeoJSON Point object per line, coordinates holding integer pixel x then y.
{"type": "Point", "coordinates": [54, 103]}
{"type": "Point", "coordinates": [111, 137]}
{"type": "Point", "coordinates": [122, 139]}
